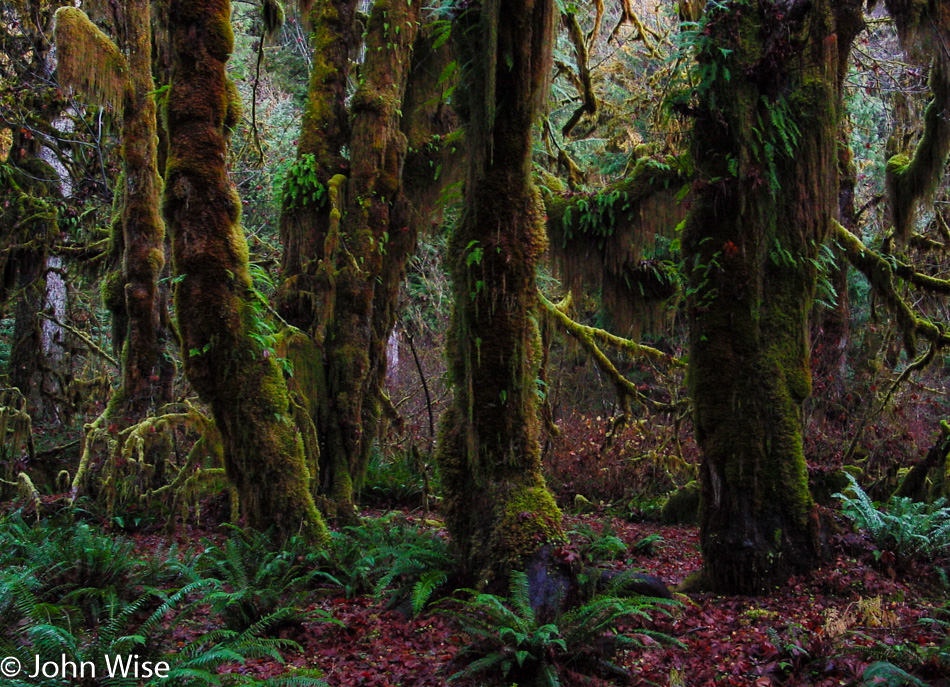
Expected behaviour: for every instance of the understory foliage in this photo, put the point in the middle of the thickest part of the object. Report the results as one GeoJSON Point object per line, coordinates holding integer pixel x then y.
{"type": "Point", "coordinates": [509, 639]}
{"type": "Point", "coordinates": [391, 558]}
{"type": "Point", "coordinates": [262, 587]}
{"type": "Point", "coordinates": [70, 592]}
{"type": "Point", "coordinates": [908, 529]}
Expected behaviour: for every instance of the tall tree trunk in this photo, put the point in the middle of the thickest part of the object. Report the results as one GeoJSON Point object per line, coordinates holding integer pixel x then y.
{"type": "Point", "coordinates": [305, 298]}
{"type": "Point", "coordinates": [375, 211]}
{"type": "Point", "coordinates": [218, 316]}
{"type": "Point", "coordinates": [30, 226]}
{"type": "Point", "coordinates": [431, 163]}
{"type": "Point", "coordinates": [345, 259]}
{"type": "Point", "coordinates": [309, 229]}
{"type": "Point", "coordinates": [147, 374]}
{"type": "Point", "coordinates": [767, 187]}
{"type": "Point", "coordinates": [497, 507]}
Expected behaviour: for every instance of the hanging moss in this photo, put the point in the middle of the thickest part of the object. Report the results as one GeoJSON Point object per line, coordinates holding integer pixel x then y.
{"type": "Point", "coordinates": [911, 180]}
{"type": "Point", "coordinates": [608, 240]}
{"type": "Point", "coordinates": [88, 60]}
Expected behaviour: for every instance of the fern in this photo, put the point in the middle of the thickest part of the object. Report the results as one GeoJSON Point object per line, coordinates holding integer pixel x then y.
{"type": "Point", "coordinates": [393, 559]}
{"type": "Point", "coordinates": [887, 674]}
{"type": "Point", "coordinates": [78, 565]}
{"type": "Point", "coordinates": [907, 528]}
{"type": "Point", "coordinates": [507, 637]}
{"type": "Point", "coordinates": [595, 547]}
{"type": "Point", "coordinates": [258, 582]}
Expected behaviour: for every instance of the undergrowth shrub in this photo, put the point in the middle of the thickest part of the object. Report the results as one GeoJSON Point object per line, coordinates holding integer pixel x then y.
{"type": "Point", "coordinates": [628, 473]}
{"type": "Point", "coordinates": [908, 529]}
{"type": "Point", "coordinates": [260, 585]}
{"type": "Point", "coordinates": [401, 479]}
{"type": "Point", "coordinates": [394, 558]}
{"type": "Point", "coordinates": [69, 592]}
{"type": "Point", "coordinates": [78, 564]}
{"type": "Point", "coordinates": [509, 641]}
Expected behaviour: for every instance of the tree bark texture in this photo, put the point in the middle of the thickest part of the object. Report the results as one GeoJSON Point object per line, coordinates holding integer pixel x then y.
{"type": "Point", "coordinates": [766, 189]}
{"type": "Point", "coordinates": [218, 317]}
{"type": "Point", "coordinates": [497, 507]}
{"type": "Point", "coordinates": [147, 373]}
{"type": "Point", "coordinates": [348, 247]}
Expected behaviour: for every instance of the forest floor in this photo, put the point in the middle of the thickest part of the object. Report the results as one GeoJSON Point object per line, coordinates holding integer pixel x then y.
{"type": "Point", "coordinates": [820, 629]}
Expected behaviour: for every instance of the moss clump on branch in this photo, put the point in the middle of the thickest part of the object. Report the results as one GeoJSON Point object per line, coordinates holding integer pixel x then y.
{"type": "Point", "coordinates": [880, 273]}
{"type": "Point", "coordinates": [912, 180]}
{"type": "Point", "coordinates": [608, 240]}
{"type": "Point", "coordinates": [88, 60]}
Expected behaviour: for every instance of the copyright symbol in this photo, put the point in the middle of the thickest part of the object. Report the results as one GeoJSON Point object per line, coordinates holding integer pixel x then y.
{"type": "Point", "coordinates": [10, 666]}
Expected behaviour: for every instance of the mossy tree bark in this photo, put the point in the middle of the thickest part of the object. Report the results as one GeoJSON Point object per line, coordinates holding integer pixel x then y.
{"type": "Point", "coordinates": [764, 145]}
{"type": "Point", "coordinates": [375, 210]}
{"type": "Point", "coordinates": [305, 296]}
{"type": "Point", "coordinates": [147, 372]}
{"type": "Point", "coordinates": [349, 226]}
{"type": "Point", "coordinates": [217, 318]}
{"type": "Point", "coordinates": [497, 507]}
{"type": "Point", "coordinates": [31, 189]}
{"type": "Point", "coordinates": [131, 291]}
{"type": "Point", "coordinates": [432, 162]}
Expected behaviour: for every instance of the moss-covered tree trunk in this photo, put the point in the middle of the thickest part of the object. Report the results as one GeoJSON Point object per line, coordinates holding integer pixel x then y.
{"type": "Point", "coordinates": [305, 297]}
{"type": "Point", "coordinates": [432, 162]}
{"type": "Point", "coordinates": [216, 309]}
{"type": "Point", "coordinates": [349, 228]}
{"type": "Point", "coordinates": [497, 507]}
{"type": "Point", "coordinates": [769, 106]}
{"type": "Point", "coordinates": [375, 207]}
{"type": "Point", "coordinates": [147, 373]}
{"type": "Point", "coordinates": [30, 189]}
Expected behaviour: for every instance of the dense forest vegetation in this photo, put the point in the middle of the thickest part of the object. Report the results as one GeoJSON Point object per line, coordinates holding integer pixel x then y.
{"type": "Point", "coordinates": [483, 342]}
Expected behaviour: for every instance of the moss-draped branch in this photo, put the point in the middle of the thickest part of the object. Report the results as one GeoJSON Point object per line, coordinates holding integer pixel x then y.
{"type": "Point", "coordinates": [911, 180]}
{"type": "Point", "coordinates": [590, 337]}
{"type": "Point", "coordinates": [880, 272]}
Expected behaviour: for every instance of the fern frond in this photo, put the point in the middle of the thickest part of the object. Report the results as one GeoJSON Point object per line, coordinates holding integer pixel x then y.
{"type": "Point", "coordinates": [426, 587]}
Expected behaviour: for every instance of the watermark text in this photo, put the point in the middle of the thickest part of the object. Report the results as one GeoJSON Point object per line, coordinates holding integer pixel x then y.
{"type": "Point", "coordinates": [130, 666]}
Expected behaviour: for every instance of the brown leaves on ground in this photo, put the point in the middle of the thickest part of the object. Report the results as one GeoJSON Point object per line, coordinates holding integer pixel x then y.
{"type": "Point", "coordinates": [821, 629]}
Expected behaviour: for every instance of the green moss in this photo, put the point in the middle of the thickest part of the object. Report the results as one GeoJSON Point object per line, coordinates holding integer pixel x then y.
{"type": "Point", "coordinates": [530, 519]}
{"type": "Point", "coordinates": [112, 291]}
{"type": "Point", "coordinates": [897, 163]}
{"type": "Point", "coordinates": [766, 155]}
{"type": "Point", "coordinates": [216, 310]}
{"type": "Point", "coordinates": [682, 506]}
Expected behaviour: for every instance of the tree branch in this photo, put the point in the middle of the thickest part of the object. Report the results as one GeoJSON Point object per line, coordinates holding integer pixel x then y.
{"type": "Point", "coordinates": [880, 272]}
